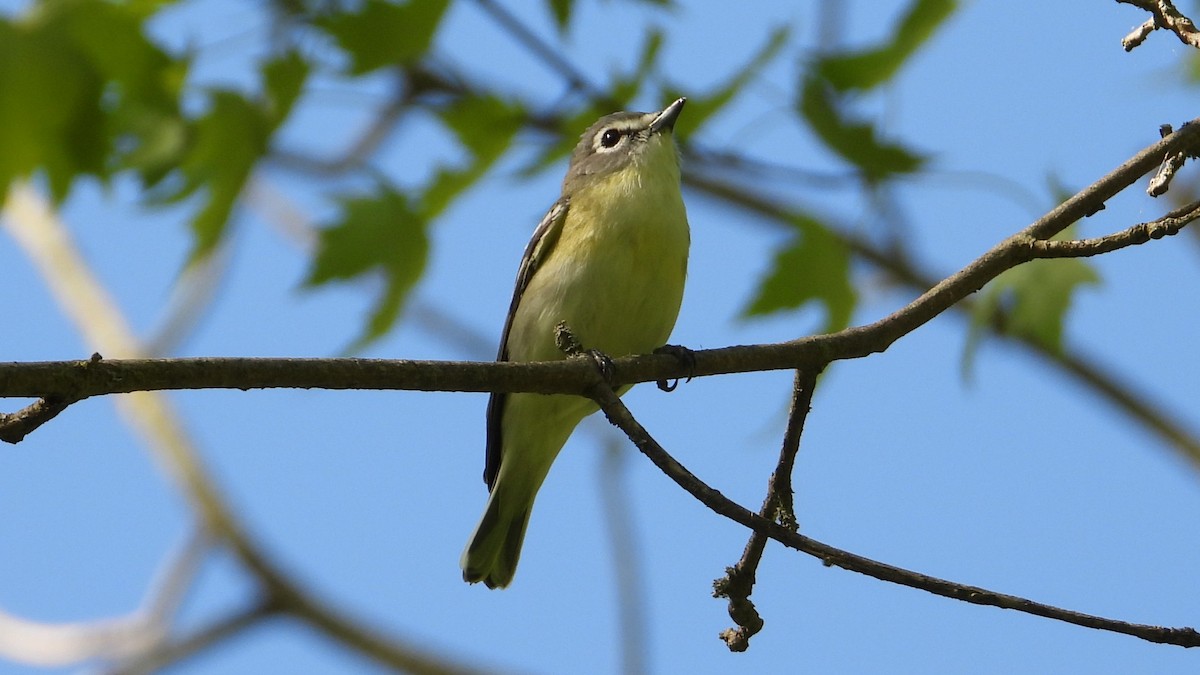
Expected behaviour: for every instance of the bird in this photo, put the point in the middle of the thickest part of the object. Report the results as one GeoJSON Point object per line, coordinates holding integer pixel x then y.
{"type": "Point", "coordinates": [608, 261]}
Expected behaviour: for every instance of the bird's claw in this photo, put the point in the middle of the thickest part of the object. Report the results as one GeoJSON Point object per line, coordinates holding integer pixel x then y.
{"type": "Point", "coordinates": [685, 357]}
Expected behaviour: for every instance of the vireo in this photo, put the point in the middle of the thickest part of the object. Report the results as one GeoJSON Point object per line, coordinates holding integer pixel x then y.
{"type": "Point", "coordinates": [609, 260]}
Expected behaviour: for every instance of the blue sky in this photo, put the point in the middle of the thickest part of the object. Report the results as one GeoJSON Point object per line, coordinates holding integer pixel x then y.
{"type": "Point", "coordinates": [1019, 481]}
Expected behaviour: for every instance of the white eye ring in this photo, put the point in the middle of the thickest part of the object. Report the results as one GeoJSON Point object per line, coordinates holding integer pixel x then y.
{"type": "Point", "coordinates": [609, 139]}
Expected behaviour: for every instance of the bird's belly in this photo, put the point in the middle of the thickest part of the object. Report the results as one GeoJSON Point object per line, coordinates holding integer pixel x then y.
{"type": "Point", "coordinates": [618, 290]}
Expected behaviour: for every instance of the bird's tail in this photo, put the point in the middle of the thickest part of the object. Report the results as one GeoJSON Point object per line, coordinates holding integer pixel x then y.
{"type": "Point", "coordinates": [495, 548]}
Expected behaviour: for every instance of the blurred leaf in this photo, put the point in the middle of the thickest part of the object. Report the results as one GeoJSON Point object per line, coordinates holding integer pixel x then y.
{"type": "Point", "coordinates": [226, 144]}
{"type": "Point", "coordinates": [815, 266]}
{"type": "Point", "coordinates": [485, 126]}
{"type": "Point", "coordinates": [855, 141]}
{"type": "Point", "coordinates": [71, 74]}
{"type": "Point", "coordinates": [384, 33]}
{"type": "Point", "coordinates": [111, 37]}
{"type": "Point", "coordinates": [157, 145]}
{"type": "Point", "coordinates": [50, 112]}
{"type": "Point", "coordinates": [379, 233]}
{"type": "Point", "coordinates": [222, 147]}
{"type": "Point", "coordinates": [869, 68]}
{"type": "Point", "coordinates": [701, 108]}
{"type": "Point", "coordinates": [283, 81]}
{"type": "Point", "coordinates": [1191, 67]}
{"type": "Point", "coordinates": [561, 9]}
{"type": "Point", "coordinates": [1029, 301]}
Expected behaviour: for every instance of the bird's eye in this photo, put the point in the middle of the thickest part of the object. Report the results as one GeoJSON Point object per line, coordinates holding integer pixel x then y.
{"type": "Point", "coordinates": [610, 138]}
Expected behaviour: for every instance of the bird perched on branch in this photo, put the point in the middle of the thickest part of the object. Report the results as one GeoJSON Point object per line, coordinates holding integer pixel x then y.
{"type": "Point", "coordinates": [609, 261]}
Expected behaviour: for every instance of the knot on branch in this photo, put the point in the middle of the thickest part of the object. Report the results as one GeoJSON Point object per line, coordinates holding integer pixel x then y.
{"type": "Point", "coordinates": [736, 586]}
{"type": "Point", "coordinates": [1171, 164]}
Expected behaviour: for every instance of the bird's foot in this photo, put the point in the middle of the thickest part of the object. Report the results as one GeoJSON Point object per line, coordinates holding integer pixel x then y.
{"type": "Point", "coordinates": [685, 357]}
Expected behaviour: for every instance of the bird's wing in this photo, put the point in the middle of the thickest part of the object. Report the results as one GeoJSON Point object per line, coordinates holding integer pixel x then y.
{"type": "Point", "coordinates": [544, 238]}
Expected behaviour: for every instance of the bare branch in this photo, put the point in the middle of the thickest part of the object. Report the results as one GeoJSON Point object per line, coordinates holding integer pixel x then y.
{"type": "Point", "coordinates": [1169, 225]}
{"type": "Point", "coordinates": [1171, 164]}
{"type": "Point", "coordinates": [619, 415]}
{"type": "Point", "coordinates": [14, 427]}
{"type": "Point", "coordinates": [1138, 35]}
{"type": "Point", "coordinates": [1164, 15]}
{"type": "Point", "coordinates": [738, 582]}
{"type": "Point", "coordinates": [67, 381]}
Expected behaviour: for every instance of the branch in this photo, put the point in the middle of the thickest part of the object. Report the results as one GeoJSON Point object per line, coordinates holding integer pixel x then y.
{"type": "Point", "coordinates": [1171, 164]}
{"type": "Point", "coordinates": [738, 581]}
{"type": "Point", "coordinates": [1163, 15]}
{"type": "Point", "coordinates": [14, 427]}
{"type": "Point", "coordinates": [1096, 375]}
{"type": "Point", "coordinates": [76, 381]}
{"type": "Point", "coordinates": [210, 635]}
{"type": "Point", "coordinates": [1168, 225]}
{"type": "Point", "coordinates": [619, 415]}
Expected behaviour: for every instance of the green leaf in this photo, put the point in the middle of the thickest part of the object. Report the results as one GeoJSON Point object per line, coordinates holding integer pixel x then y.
{"type": "Point", "coordinates": [379, 234]}
{"type": "Point", "coordinates": [111, 37]}
{"type": "Point", "coordinates": [1029, 301]}
{"type": "Point", "coordinates": [383, 34]}
{"type": "Point", "coordinates": [561, 9]}
{"type": "Point", "coordinates": [485, 126]}
{"type": "Point", "coordinates": [869, 68]}
{"type": "Point", "coordinates": [701, 108]}
{"type": "Point", "coordinates": [283, 81]}
{"type": "Point", "coordinates": [226, 144]}
{"type": "Point", "coordinates": [814, 266]}
{"type": "Point", "coordinates": [72, 75]}
{"type": "Point", "coordinates": [50, 113]}
{"type": "Point", "coordinates": [855, 141]}
{"type": "Point", "coordinates": [221, 148]}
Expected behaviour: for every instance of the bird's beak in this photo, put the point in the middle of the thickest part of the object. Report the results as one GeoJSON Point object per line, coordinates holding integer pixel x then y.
{"type": "Point", "coordinates": [666, 118]}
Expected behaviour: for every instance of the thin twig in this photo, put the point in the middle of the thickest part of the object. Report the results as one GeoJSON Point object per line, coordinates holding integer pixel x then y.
{"type": "Point", "coordinates": [738, 582]}
{"type": "Point", "coordinates": [1163, 15]}
{"type": "Point", "coordinates": [619, 415]}
{"type": "Point", "coordinates": [210, 635]}
{"type": "Point", "coordinates": [1169, 225]}
{"type": "Point", "coordinates": [14, 427]}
